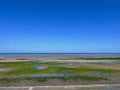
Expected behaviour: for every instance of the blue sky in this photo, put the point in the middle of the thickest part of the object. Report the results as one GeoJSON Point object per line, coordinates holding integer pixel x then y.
{"type": "Point", "coordinates": [72, 26]}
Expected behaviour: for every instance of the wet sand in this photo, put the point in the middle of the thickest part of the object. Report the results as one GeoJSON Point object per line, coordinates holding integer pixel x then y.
{"type": "Point", "coordinates": [55, 56]}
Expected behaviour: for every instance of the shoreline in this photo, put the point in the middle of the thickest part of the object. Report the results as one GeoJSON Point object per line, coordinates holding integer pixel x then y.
{"type": "Point", "coordinates": [53, 60]}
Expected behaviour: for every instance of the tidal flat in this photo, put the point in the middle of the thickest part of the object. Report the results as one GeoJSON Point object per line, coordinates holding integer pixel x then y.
{"type": "Point", "coordinates": [57, 73]}
{"type": "Point", "coordinates": [59, 69]}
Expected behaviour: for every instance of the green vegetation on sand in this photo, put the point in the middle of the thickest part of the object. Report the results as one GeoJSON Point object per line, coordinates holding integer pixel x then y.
{"type": "Point", "coordinates": [31, 68]}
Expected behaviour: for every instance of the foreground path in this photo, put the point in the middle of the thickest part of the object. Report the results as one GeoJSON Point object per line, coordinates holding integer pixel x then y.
{"type": "Point", "coordinates": [70, 87]}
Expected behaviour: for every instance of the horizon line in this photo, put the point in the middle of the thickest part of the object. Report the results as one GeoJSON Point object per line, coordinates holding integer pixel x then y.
{"type": "Point", "coordinates": [60, 53]}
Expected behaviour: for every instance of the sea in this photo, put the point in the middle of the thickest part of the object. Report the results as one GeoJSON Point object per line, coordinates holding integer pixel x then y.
{"type": "Point", "coordinates": [77, 55]}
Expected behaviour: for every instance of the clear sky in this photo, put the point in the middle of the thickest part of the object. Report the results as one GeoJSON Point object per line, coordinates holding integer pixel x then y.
{"type": "Point", "coordinates": [72, 26]}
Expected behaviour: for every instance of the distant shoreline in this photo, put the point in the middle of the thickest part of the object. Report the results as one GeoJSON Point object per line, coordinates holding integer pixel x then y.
{"type": "Point", "coordinates": [60, 53]}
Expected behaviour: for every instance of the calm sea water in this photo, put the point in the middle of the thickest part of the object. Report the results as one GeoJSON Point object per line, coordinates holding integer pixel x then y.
{"type": "Point", "coordinates": [20, 54]}
{"type": "Point", "coordinates": [64, 54]}
{"type": "Point", "coordinates": [61, 55]}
